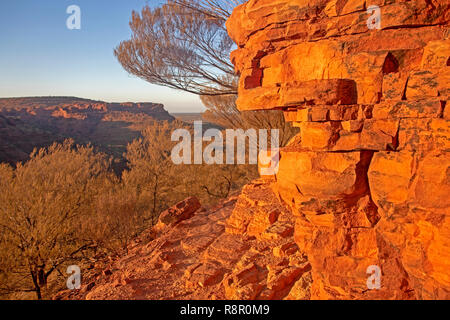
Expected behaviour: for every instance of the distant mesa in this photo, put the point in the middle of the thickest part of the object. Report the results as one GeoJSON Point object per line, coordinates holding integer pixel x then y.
{"type": "Point", "coordinates": [79, 108]}
{"type": "Point", "coordinates": [35, 122]}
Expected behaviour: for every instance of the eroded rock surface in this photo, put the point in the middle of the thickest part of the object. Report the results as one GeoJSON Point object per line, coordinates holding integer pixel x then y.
{"type": "Point", "coordinates": [366, 182]}
{"type": "Point", "coordinates": [368, 176]}
{"type": "Point", "coordinates": [242, 249]}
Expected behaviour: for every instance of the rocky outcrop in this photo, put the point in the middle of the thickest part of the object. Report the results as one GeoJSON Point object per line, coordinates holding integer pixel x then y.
{"type": "Point", "coordinates": [368, 176]}
{"type": "Point", "coordinates": [181, 211]}
{"type": "Point", "coordinates": [243, 248]}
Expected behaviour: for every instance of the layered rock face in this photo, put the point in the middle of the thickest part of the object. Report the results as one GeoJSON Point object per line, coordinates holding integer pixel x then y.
{"type": "Point", "coordinates": [243, 248]}
{"type": "Point", "coordinates": [368, 176]}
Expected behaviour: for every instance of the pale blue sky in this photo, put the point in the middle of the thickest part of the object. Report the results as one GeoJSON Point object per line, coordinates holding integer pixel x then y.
{"type": "Point", "coordinates": [39, 56]}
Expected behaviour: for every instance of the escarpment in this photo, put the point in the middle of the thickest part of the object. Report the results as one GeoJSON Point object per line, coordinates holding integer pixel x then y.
{"type": "Point", "coordinates": [36, 122]}
{"type": "Point", "coordinates": [367, 179]}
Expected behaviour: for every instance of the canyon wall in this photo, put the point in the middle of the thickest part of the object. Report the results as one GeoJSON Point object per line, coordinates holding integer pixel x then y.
{"type": "Point", "coordinates": [37, 122]}
{"type": "Point", "coordinates": [368, 176]}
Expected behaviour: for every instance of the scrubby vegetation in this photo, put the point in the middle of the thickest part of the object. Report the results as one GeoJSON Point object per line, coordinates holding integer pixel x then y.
{"type": "Point", "coordinates": [67, 206]}
{"type": "Point", "coordinates": [71, 204]}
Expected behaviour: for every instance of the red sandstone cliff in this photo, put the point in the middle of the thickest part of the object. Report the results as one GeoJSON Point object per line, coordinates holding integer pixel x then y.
{"type": "Point", "coordinates": [35, 122]}
{"type": "Point", "coordinates": [368, 176]}
{"type": "Point", "coordinates": [366, 181]}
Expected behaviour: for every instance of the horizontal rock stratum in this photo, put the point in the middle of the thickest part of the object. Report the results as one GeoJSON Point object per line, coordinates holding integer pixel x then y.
{"type": "Point", "coordinates": [36, 122]}
{"type": "Point", "coordinates": [368, 176]}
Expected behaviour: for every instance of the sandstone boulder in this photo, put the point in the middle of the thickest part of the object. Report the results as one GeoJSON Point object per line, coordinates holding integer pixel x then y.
{"type": "Point", "coordinates": [181, 211]}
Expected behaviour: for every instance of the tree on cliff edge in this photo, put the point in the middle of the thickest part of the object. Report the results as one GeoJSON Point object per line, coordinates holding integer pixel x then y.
{"type": "Point", "coordinates": [180, 46]}
{"type": "Point", "coordinates": [184, 45]}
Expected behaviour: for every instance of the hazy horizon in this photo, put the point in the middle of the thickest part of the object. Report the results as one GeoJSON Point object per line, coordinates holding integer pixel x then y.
{"type": "Point", "coordinates": [180, 111]}
{"type": "Point", "coordinates": [42, 57]}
